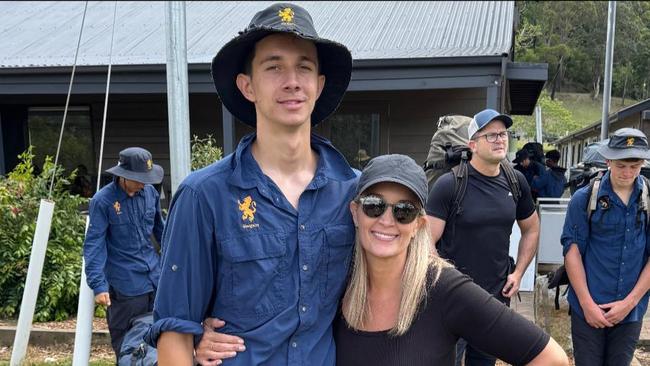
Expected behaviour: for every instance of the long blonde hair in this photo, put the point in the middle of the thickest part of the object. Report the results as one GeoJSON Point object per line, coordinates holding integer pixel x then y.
{"type": "Point", "coordinates": [420, 258]}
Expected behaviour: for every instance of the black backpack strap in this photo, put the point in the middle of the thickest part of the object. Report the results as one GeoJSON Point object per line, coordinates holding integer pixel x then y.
{"type": "Point", "coordinates": [513, 182]}
{"type": "Point", "coordinates": [460, 172]}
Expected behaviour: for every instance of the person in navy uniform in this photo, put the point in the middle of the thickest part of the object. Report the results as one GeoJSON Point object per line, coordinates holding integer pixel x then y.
{"type": "Point", "coordinates": [262, 239]}
{"type": "Point", "coordinates": [606, 256]}
{"type": "Point", "coordinates": [122, 264]}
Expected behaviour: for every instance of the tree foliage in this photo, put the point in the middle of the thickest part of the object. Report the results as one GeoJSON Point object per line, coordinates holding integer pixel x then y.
{"type": "Point", "coordinates": [558, 120]}
{"type": "Point", "coordinates": [204, 152]}
{"type": "Point", "coordinates": [571, 37]}
{"type": "Point", "coordinates": [20, 195]}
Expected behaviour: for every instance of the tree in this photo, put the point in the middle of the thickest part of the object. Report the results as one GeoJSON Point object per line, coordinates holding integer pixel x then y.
{"type": "Point", "coordinates": [557, 120]}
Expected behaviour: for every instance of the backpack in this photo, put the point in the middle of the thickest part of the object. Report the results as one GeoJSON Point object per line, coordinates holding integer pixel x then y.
{"type": "Point", "coordinates": [560, 277]}
{"type": "Point", "coordinates": [448, 147]}
{"type": "Point", "coordinates": [135, 351]}
{"type": "Point", "coordinates": [448, 151]}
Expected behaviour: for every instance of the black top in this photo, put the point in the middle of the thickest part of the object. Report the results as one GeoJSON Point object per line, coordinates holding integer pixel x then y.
{"type": "Point", "coordinates": [478, 244]}
{"type": "Point", "coordinates": [455, 308]}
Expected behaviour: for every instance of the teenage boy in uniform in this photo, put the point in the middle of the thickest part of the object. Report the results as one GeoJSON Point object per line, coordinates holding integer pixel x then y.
{"type": "Point", "coordinates": [606, 249]}
{"type": "Point", "coordinates": [477, 239]}
{"type": "Point", "coordinates": [263, 238]}
{"type": "Point", "coordinates": [122, 263]}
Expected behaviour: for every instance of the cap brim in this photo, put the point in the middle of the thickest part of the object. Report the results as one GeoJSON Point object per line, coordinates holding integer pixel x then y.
{"type": "Point", "coordinates": [335, 63]}
{"type": "Point", "coordinates": [503, 118]}
{"type": "Point", "coordinates": [154, 176]}
{"type": "Point", "coordinates": [620, 154]}
{"type": "Point", "coordinates": [392, 180]}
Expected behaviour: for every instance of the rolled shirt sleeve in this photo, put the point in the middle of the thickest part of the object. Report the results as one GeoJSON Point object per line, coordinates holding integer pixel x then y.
{"type": "Point", "coordinates": [187, 282]}
{"type": "Point", "coordinates": [94, 249]}
{"type": "Point", "coordinates": [576, 223]}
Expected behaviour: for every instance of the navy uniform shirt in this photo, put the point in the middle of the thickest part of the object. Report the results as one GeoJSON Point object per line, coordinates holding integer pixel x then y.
{"type": "Point", "coordinates": [118, 250]}
{"type": "Point", "coordinates": [236, 249]}
{"type": "Point", "coordinates": [614, 250]}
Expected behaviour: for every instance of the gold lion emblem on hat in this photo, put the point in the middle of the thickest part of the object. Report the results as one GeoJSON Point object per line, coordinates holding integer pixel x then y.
{"type": "Point", "coordinates": [286, 15]}
{"type": "Point", "coordinates": [149, 164]}
{"type": "Point", "coordinates": [630, 141]}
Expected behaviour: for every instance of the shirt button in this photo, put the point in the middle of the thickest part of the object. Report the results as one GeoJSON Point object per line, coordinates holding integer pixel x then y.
{"type": "Point", "coordinates": [627, 229]}
{"type": "Point", "coordinates": [303, 308]}
{"type": "Point", "coordinates": [294, 344]}
{"type": "Point", "coordinates": [302, 227]}
{"type": "Point", "coordinates": [305, 267]}
{"type": "Point", "coordinates": [174, 267]}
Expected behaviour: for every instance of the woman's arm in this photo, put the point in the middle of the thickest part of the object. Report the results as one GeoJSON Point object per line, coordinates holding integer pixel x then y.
{"type": "Point", "coordinates": [175, 349]}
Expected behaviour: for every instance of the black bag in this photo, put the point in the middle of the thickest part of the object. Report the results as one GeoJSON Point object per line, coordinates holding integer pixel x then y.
{"type": "Point", "coordinates": [448, 147]}
{"type": "Point", "coordinates": [135, 351]}
{"type": "Point", "coordinates": [557, 279]}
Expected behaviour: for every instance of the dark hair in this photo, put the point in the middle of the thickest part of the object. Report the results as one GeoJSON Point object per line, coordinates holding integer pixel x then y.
{"type": "Point", "coordinates": [632, 160]}
{"type": "Point", "coordinates": [553, 155]}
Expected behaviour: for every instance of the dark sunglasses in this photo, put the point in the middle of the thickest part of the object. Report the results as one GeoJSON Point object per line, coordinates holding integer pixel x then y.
{"type": "Point", "coordinates": [404, 212]}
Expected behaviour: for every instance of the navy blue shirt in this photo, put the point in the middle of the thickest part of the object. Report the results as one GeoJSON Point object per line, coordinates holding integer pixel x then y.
{"type": "Point", "coordinates": [614, 250]}
{"type": "Point", "coordinates": [550, 183]}
{"type": "Point", "coordinates": [236, 249]}
{"type": "Point", "coordinates": [118, 248]}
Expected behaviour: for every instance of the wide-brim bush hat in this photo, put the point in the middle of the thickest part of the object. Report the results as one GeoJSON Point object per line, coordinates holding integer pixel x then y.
{"type": "Point", "coordinates": [136, 164]}
{"type": "Point", "coordinates": [626, 143]}
{"type": "Point", "coordinates": [335, 61]}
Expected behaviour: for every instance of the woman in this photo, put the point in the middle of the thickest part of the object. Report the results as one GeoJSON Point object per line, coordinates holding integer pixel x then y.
{"type": "Point", "coordinates": [404, 305]}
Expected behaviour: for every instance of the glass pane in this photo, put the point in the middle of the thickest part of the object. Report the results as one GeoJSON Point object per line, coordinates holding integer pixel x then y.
{"type": "Point", "coordinates": [356, 136]}
{"type": "Point", "coordinates": [76, 146]}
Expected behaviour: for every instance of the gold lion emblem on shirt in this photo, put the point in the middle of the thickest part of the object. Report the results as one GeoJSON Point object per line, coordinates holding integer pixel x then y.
{"type": "Point", "coordinates": [630, 141]}
{"type": "Point", "coordinates": [248, 209]}
{"type": "Point", "coordinates": [286, 15]}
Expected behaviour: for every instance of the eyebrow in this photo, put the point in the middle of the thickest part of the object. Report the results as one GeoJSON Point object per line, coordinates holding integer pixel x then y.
{"type": "Point", "coordinates": [272, 58]}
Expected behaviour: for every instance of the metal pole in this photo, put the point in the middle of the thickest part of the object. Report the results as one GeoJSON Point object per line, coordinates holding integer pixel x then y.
{"type": "Point", "coordinates": [609, 56]}
{"type": "Point", "coordinates": [85, 314]}
{"type": "Point", "coordinates": [538, 123]}
{"type": "Point", "coordinates": [177, 93]}
{"type": "Point", "coordinates": [33, 281]}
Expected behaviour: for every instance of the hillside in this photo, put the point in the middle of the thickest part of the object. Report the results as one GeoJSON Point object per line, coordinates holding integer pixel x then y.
{"type": "Point", "coordinates": [585, 110]}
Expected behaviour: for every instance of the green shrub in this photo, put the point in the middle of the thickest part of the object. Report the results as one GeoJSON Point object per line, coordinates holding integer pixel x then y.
{"type": "Point", "coordinates": [20, 195]}
{"type": "Point", "coordinates": [204, 152]}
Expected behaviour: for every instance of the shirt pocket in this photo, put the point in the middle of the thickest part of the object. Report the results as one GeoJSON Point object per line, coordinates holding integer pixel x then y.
{"type": "Point", "coordinates": [119, 227]}
{"type": "Point", "coordinates": [256, 275]}
{"type": "Point", "coordinates": [339, 242]}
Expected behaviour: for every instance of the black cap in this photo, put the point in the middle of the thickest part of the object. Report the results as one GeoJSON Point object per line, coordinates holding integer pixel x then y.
{"type": "Point", "coordinates": [335, 61]}
{"type": "Point", "coordinates": [395, 168]}
{"type": "Point", "coordinates": [136, 164]}
{"type": "Point", "coordinates": [521, 156]}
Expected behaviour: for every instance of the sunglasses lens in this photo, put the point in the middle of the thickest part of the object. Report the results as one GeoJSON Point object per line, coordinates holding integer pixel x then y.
{"type": "Point", "coordinates": [373, 206]}
{"type": "Point", "coordinates": [405, 212]}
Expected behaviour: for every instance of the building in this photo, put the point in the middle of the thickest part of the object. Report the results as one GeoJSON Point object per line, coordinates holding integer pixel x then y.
{"type": "Point", "coordinates": [413, 62]}
{"type": "Point", "coordinates": [571, 146]}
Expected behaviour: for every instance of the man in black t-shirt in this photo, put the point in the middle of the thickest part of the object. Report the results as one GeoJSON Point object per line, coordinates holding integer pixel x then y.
{"type": "Point", "coordinates": [477, 240]}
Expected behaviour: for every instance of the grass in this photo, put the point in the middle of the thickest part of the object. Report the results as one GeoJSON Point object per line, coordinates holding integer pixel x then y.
{"type": "Point", "coordinates": [586, 110]}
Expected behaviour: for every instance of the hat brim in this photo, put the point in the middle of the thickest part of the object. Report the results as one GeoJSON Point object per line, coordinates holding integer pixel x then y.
{"type": "Point", "coordinates": [335, 63]}
{"type": "Point", "coordinates": [154, 176]}
{"type": "Point", "coordinates": [620, 154]}
{"type": "Point", "coordinates": [503, 118]}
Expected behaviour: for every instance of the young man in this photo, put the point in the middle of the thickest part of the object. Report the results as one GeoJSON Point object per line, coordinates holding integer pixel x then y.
{"type": "Point", "coordinates": [478, 241]}
{"type": "Point", "coordinates": [122, 265]}
{"type": "Point", "coordinates": [606, 256]}
{"type": "Point", "coordinates": [262, 239]}
{"type": "Point", "coordinates": [552, 182]}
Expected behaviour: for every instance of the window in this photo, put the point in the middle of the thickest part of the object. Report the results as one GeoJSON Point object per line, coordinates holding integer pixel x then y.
{"type": "Point", "coordinates": [44, 127]}
{"type": "Point", "coordinates": [355, 135]}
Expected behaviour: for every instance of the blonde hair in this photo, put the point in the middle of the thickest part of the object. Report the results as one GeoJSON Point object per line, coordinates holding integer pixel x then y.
{"type": "Point", "coordinates": [420, 258]}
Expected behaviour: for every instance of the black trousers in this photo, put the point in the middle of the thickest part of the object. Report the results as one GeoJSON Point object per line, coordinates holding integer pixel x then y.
{"type": "Point", "coordinates": [124, 308]}
{"type": "Point", "coordinates": [605, 346]}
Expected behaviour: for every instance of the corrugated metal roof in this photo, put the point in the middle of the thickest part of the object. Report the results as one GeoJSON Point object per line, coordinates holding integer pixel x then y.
{"type": "Point", "coordinates": [43, 33]}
